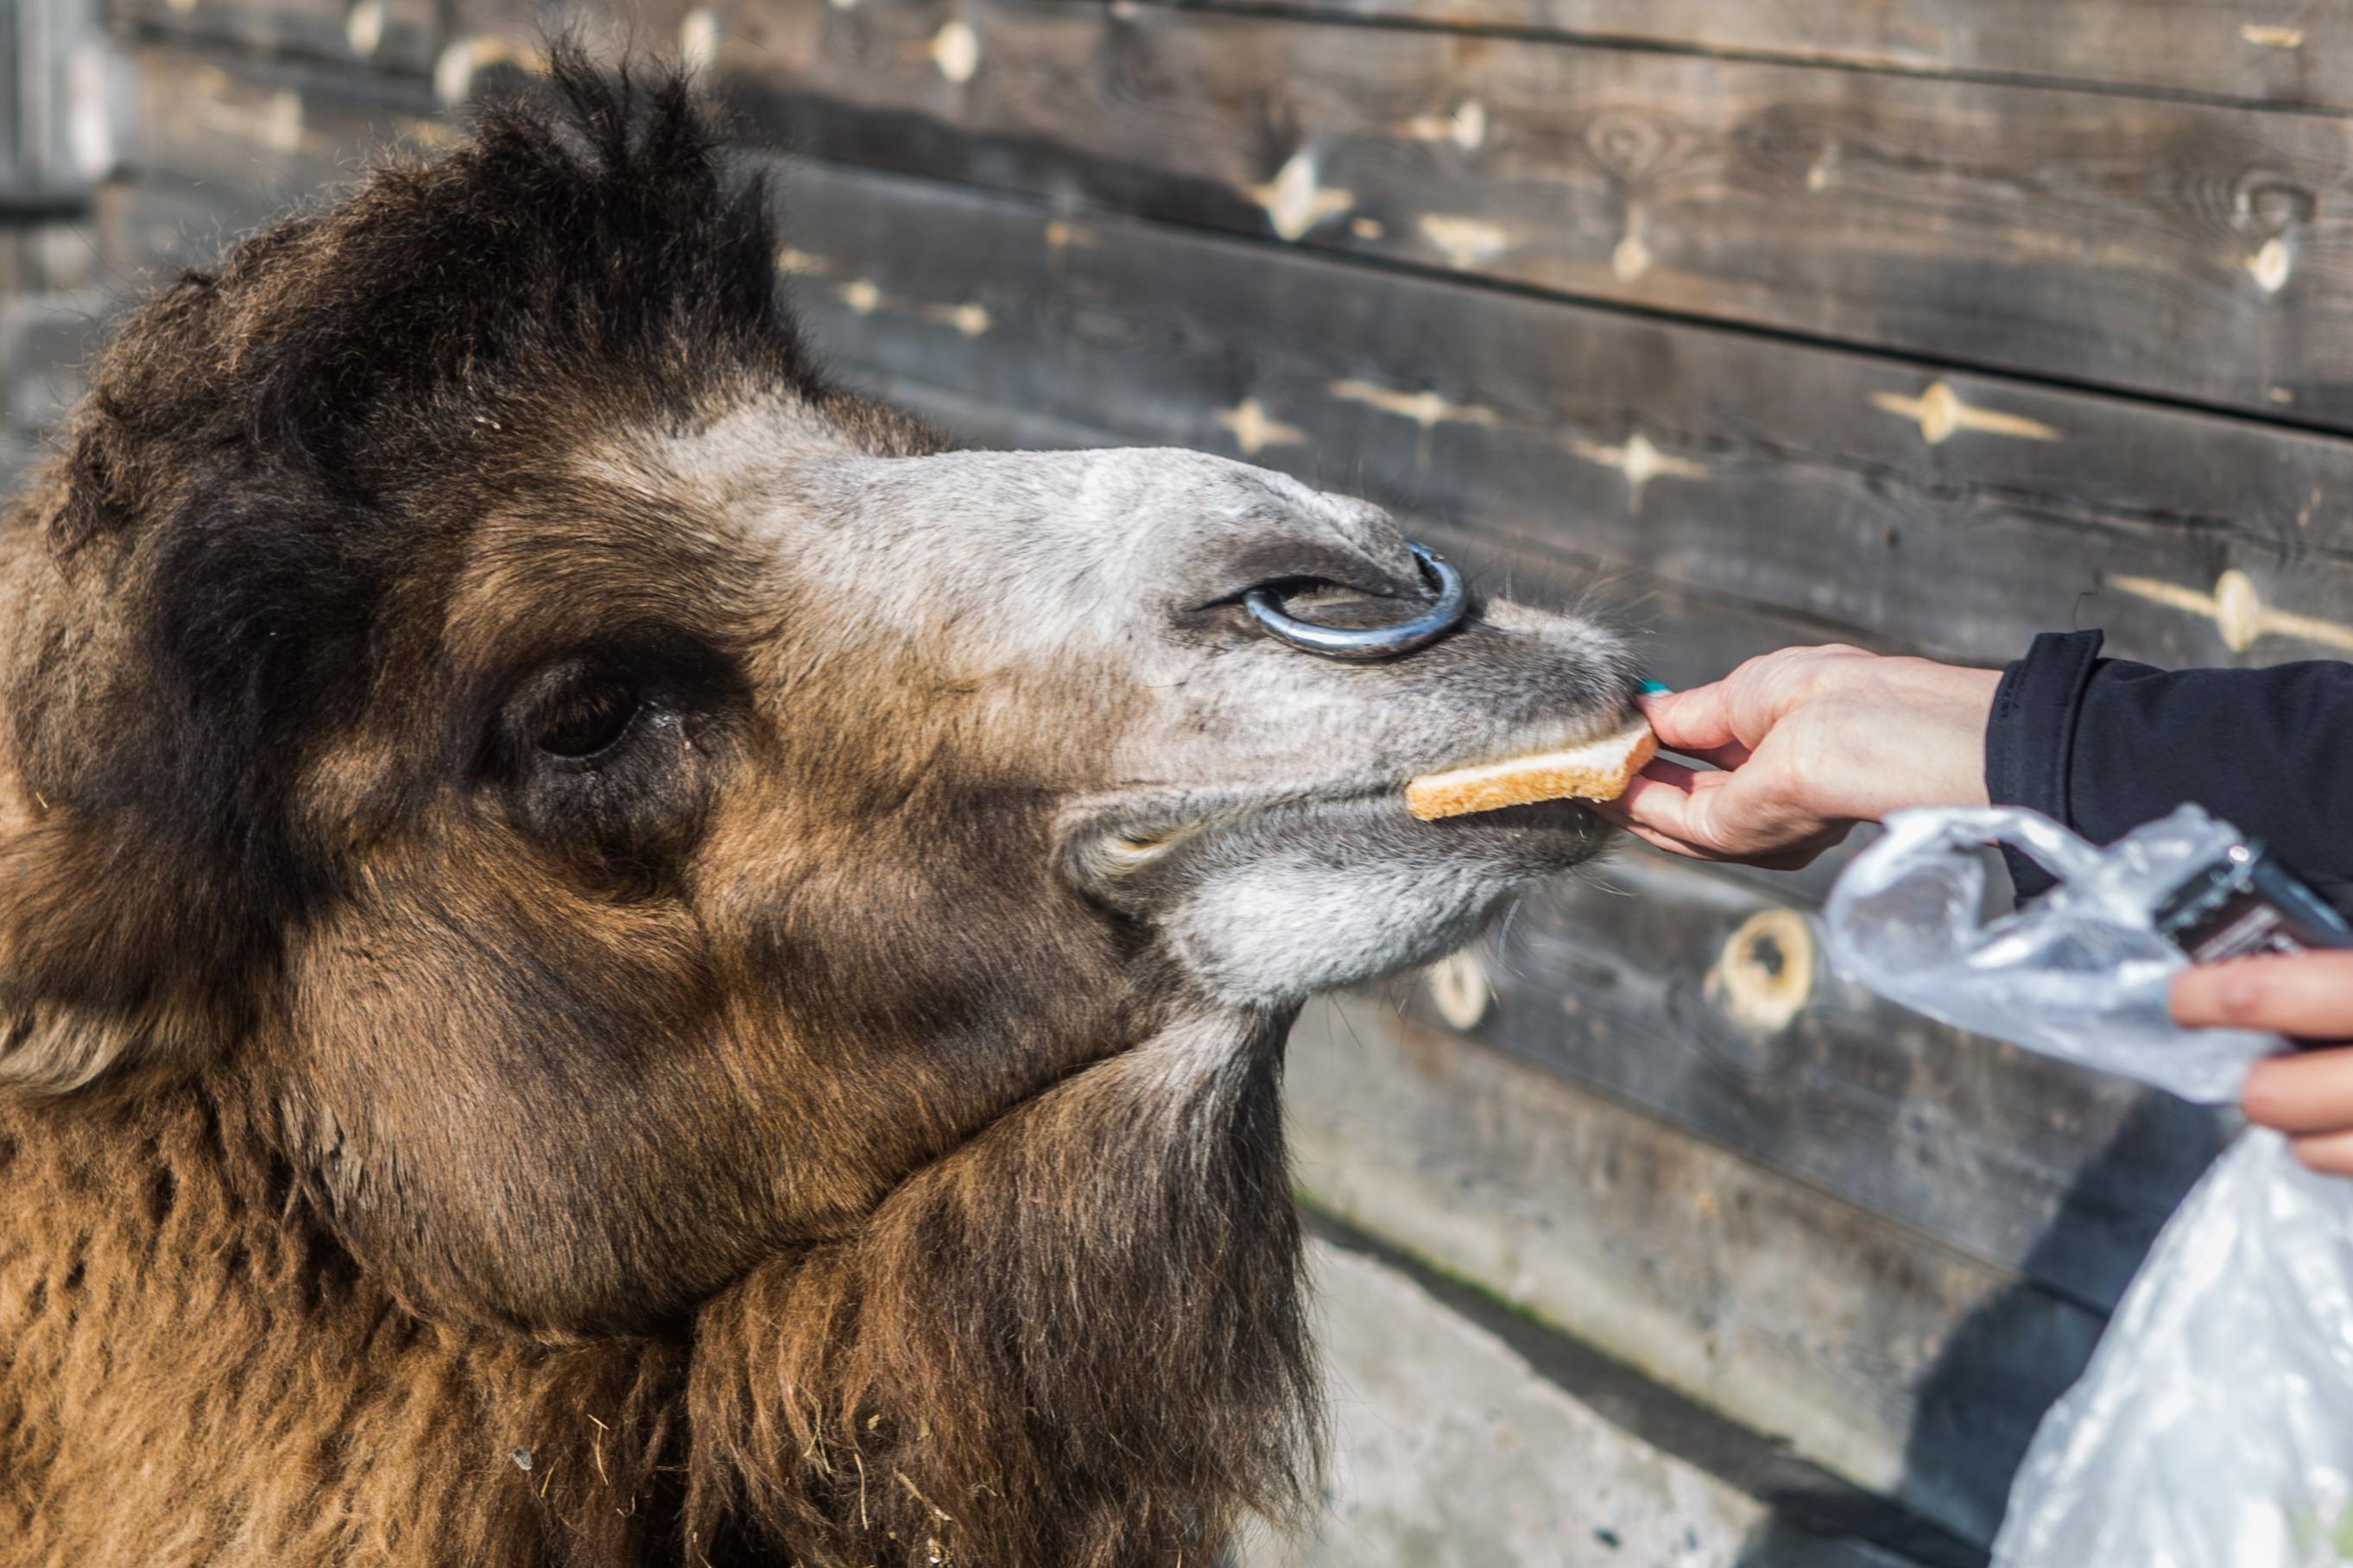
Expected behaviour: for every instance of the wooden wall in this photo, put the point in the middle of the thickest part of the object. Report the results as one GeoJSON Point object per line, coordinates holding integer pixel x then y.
{"type": "Point", "coordinates": [1923, 324]}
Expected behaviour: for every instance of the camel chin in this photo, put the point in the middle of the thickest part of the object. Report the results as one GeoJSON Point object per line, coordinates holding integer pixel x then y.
{"type": "Point", "coordinates": [1334, 898]}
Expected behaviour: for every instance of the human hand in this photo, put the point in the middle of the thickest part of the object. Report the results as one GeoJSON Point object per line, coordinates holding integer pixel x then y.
{"type": "Point", "coordinates": [1810, 741]}
{"type": "Point", "coordinates": [2305, 996]}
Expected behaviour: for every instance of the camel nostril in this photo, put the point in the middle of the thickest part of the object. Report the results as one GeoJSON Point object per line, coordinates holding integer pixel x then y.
{"type": "Point", "coordinates": [1426, 626]}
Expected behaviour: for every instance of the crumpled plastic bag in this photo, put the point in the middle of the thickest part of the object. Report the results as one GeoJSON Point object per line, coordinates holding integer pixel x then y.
{"type": "Point", "coordinates": [2214, 1425]}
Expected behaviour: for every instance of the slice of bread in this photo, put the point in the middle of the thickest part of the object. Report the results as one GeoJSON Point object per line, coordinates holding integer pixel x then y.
{"type": "Point", "coordinates": [1598, 770]}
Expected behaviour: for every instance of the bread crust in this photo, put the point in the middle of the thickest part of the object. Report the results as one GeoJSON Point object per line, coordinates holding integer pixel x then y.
{"type": "Point", "coordinates": [1595, 770]}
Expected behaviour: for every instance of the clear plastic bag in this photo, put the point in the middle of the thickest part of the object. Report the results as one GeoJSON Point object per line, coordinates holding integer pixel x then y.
{"type": "Point", "coordinates": [2214, 1425]}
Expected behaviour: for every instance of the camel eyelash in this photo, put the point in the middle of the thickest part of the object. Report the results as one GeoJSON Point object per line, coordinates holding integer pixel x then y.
{"type": "Point", "coordinates": [591, 723]}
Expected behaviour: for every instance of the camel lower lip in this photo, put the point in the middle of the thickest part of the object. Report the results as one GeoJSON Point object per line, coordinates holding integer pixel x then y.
{"type": "Point", "coordinates": [1148, 837]}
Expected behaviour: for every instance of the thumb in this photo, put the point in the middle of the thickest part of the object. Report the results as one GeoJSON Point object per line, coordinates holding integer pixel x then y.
{"type": "Point", "coordinates": [1699, 720]}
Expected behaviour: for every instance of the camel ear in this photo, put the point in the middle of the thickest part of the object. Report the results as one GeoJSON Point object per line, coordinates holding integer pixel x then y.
{"type": "Point", "coordinates": [97, 977]}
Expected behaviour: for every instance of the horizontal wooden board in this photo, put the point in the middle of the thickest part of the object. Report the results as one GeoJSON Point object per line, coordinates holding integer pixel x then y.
{"type": "Point", "coordinates": [1803, 479]}
{"type": "Point", "coordinates": [2274, 52]}
{"type": "Point", "coordinates": [2195, 250]}
{"type": "Point", "coordinates": [1957, 514]}
{"type": "Point", "coordinates": [2285, 53]}
{"type": "Point", "coordinates": [402, 35]}
{"type": "Point", "coordinates": [250, 137]}
{"type": "Point", "coordinates": [1878, 1353]}
{"type": "Point", "coordinates": [1659, 984]}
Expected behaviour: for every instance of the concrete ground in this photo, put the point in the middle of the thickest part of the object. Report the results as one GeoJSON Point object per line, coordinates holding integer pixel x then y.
{"type": "Point", "coordinates": [1452, 1450]}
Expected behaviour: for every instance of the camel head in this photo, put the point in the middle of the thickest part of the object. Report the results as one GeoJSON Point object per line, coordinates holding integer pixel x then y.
{"type": "Point", "coordinates": [616, 812]}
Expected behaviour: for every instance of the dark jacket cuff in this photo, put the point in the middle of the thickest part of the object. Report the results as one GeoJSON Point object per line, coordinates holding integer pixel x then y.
{"type": "Point", "coordinates": [2030, 736]}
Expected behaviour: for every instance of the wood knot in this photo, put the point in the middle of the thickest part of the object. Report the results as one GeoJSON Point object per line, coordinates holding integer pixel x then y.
{"type": "Point", "coordinates": [1765, 974]}
{"type": "Point", "coordinates": [956, 50]}
{"type": "Point", "coordinates": [1630, 146]}
{"type": "Point", "coordinates": [364, 27]}
{"type": "Point", "coordinates": [2238, 610]}
{"type": "Point", "coordinates": [697, 40]}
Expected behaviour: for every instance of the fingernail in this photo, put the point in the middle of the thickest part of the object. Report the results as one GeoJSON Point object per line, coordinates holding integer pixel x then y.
{"type": "Point", "coordinates": [1653, 687]}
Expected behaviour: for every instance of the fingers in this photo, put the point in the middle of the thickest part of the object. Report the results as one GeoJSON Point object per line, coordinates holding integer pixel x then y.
{"type": "Point", "coordinates": [1810, 713]}
{"type": "Point", "coordinates": [2308, 1096]}
{"type": "Point", "coordinates": [2331, 1153]}
{"type": "Point", "coordinates": [2305, 995]}
{"type": "Point", "coordinates": [1725, 757]}
{"type": "Point", "coordinates": [1795, 857]}
{"type": "Point", "coordinates": [1658, 800]}
{"type": "Point", "coordinates": [1718, 817]}
{"type": "Point", "coordinates": [2302, 1095]}
{"type": "Point", "coordinates": [1741, 709]}
{"type": "Point", "coordinates": [1696, 722]}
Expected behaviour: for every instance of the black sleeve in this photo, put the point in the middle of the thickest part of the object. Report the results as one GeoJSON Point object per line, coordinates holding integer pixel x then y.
{"type": "Point", "coordinates": [2105, 745]}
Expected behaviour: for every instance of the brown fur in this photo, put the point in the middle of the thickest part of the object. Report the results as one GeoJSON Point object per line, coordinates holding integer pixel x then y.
{"type": "Point", "coordinates": [196, 1372]}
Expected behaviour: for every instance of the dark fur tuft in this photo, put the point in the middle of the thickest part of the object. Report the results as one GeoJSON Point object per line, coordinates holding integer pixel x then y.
{"type": "Point", "coordinates": [271, 447]}
{"type": "Point", "coordinates": [586, 240]}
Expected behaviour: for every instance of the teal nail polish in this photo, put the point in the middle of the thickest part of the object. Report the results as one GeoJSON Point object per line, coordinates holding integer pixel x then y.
{"type": "Point", "coordinates": [1652, 688]}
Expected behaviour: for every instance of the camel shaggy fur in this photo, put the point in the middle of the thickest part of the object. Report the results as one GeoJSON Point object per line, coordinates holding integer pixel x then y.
{"type": "Point", "coordinates": [609, 955]}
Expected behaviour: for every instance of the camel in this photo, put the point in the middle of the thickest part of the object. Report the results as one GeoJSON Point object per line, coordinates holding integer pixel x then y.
{"type": "Point", "coordinates": [611, 956]}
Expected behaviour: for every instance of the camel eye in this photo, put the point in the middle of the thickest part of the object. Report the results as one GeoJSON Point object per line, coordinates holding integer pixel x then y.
{"type": "Point", "coordinates": [590, 722]}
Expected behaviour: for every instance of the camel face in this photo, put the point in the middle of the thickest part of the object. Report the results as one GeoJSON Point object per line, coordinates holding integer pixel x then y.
{"type": "Point", "coordinates": [616, 806]}
{"type": "Point", "coordinates": [807, 808]}
{"type": "Point", "coordinates": [1240, 797]}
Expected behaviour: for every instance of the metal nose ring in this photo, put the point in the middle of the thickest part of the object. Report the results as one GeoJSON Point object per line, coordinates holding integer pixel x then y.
{"type": "Point", "coordinates": [1369, 642]}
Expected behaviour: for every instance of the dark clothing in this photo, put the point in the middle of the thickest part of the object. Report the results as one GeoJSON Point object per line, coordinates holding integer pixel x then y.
{"type": "Point", "coordinates": [2105, 745]}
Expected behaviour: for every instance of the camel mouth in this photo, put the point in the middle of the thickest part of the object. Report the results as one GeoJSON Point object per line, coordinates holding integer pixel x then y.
{"type": "Point", "coordinates": [1544, 742]}
{"type": "Point", "coordinates": [1122, 839]}
{"type": "Point", "coordinates": [1127, 848]}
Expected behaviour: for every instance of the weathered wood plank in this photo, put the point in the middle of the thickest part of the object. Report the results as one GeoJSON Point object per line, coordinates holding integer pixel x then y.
{"type": "Point", "coordinates": [1664, 986]}
{"type": "Point", "coordinates": [254, 137]}
{"type": "Point", "coordinates": [2268, 53]}
{"type": "Point", "coordinates": [1878, 1353]}
{"type": "Point", "coordinates": [1956, 515]}
{"type": "Point", "coordinates": [402, 35]}
{"type": "Point", "coordinates": [2194, 249]}
{"type": "Point", "coordinates": [2271, 53]}
{"type": "Point", "coordinates": [2275, 52]}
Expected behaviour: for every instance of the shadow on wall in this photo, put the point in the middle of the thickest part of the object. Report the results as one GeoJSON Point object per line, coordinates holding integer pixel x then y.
{"type": "Point", "coordinates": [1977, 1407]}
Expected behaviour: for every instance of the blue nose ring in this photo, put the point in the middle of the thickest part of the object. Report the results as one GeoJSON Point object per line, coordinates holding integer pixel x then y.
{"type": "Point", "coordinates": [1369, 642]}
